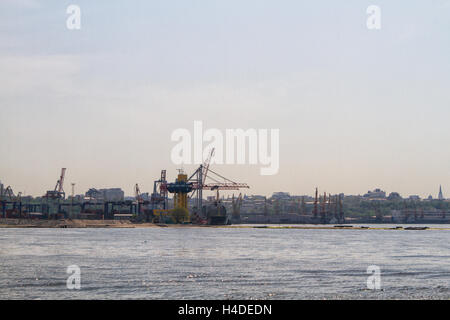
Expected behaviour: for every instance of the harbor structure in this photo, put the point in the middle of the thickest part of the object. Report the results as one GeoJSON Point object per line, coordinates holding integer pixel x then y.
{"type": "Point", "coordinates": [187, 191]}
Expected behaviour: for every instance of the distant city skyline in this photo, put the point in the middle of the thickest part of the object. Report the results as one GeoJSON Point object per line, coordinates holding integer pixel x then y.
{"type": "Point", "coordinates": [440, 194]}
{"type": "Point", "coordinates": [356, 108]}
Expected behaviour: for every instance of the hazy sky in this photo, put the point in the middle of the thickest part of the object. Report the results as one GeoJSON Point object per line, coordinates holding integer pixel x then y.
{"type": "Point", "coordinates": [356, 108]}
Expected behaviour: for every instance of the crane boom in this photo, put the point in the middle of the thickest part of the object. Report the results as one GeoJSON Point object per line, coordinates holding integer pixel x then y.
{"type": "Point", "coordinates": [58, 192]}
{"type": "Point", "coordinates": [206, 165]}
{"type": "Point", "coordinates": [198, 183]}
{"type": "Point", "coordinates": [137, 193]}
{"type": "Point", "coordinates": [59, 184]}
{"type": "Point", "coordinates": [222, 186]}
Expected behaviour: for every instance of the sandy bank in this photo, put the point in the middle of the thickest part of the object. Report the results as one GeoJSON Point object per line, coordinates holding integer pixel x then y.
{"type": "Point", "coordinates": [75, 223]}
{"type": "Point", "coordinates": [80, 223]}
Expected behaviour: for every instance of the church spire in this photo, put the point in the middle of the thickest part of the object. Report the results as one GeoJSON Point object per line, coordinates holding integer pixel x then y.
{"type": "Point", "coordinates": [440, 196]}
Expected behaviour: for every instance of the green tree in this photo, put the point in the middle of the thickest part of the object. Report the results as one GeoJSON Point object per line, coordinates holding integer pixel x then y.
{"type": "Point", "coordinates": [179, 215]}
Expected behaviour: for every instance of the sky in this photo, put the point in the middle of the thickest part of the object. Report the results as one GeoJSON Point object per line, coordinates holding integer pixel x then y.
{"type": "Point", "coordinates": [356, 109]}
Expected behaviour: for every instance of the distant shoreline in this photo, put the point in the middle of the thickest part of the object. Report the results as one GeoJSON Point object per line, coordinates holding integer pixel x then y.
{"type": "Point", "coordinates": [80, 223]}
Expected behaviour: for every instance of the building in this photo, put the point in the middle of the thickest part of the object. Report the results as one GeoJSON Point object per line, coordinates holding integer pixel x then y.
{"type": "Point", "coordinates": [375, 194]}
{"type": "Point", "coordinates": [440, 196]}
{"type": "Point", "coordinates": [145, 196]}
{"type": "Point", "coordinates": [111, 194]}
{"type": "Point", "coordinates": [77, 198]}
{"type": "Point", "coordinates": [394, 196]}
{"type": "Point", "coordinates": [281, 196]}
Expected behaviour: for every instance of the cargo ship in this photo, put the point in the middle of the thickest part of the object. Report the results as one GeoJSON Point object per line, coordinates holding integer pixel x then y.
{"type": "Point", "coordinates": [216, 214]}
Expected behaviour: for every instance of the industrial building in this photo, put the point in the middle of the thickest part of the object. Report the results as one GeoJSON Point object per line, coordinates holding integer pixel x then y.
{"type": "Point", "coordinates": [110, 194]}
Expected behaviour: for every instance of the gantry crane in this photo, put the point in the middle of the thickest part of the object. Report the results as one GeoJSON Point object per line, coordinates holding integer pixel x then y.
{"type": "Point", "coordinates": [195, 185]}
{"type": "Point", "coordinates": [217, 182]}
{"type": "Point", "coordinates": [58, 192]}
{"type": "Point", "coordinates": [159, 198]}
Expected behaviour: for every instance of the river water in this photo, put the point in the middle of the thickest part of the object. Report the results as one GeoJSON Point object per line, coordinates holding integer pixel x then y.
{"type": "Point", "coordinates": [224, 263]}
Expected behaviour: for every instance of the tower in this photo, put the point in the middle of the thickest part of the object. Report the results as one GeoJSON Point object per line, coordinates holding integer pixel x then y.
{"type": "Point", "coordinates": [315, 208]}
{"type": "Point", "coordinates": [440, 196]}
{"type": "Point", "coordinates": [180, 188]}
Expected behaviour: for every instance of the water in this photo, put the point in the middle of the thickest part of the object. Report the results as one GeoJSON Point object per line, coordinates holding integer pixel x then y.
{"type": "Point", "coordinates": [224, 263]}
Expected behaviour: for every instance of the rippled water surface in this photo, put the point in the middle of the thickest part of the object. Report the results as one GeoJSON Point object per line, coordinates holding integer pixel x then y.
{"type": "Point", "coordinates": [224, 263]}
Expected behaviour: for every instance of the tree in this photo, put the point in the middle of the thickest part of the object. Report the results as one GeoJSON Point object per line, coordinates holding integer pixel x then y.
{"type": "Point", "coordinates": [179, 215]}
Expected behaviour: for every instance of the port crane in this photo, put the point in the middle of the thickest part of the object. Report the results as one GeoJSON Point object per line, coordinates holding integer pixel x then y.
{"type": "Point", "coordinates": [200, 177]}
{"type": "Point", "coordinates": [8, 193]}
{"type": "Point", "coordinates": [58, 192]}
{"type": "Point", "coordinates": [137, 194]}
{"type": "Point", "coordinates": [159, 197]}
{"type": "Point", "coordinates": [204, 178]}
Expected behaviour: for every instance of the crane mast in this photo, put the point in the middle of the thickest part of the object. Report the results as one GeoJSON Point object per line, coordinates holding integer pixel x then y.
{"type": "Point", "coordinates": [59, 184]}
{"type": "Point", "coordinates": [58, 192]}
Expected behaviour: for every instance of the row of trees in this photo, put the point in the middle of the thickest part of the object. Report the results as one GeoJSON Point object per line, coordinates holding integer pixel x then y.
{"type": "Point", "coordinates": [357, 206]}
{"type": "Point", "coordinates": [364, 208]}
